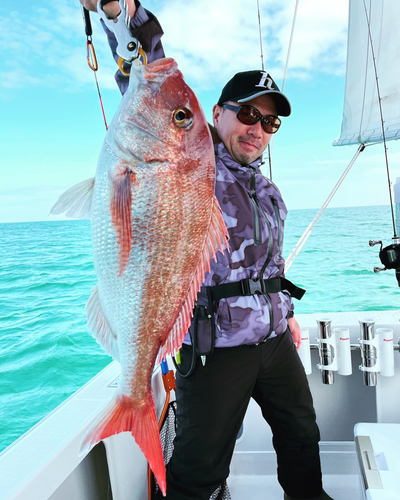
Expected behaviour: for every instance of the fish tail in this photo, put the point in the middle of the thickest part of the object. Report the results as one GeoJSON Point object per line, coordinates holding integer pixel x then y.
{"type": "Point", "coordinates": [121, 415]}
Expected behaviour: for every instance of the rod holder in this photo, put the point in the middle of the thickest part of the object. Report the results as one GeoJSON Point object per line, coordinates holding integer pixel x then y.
{"type": "Point", "coordinates": [386, 351]}
{"type": "Point", "coordinates": [343, 345]}
{"type": "Point", "coordinates": [327, 351]}
{"type": "Point", "coordinates": [369, 345]}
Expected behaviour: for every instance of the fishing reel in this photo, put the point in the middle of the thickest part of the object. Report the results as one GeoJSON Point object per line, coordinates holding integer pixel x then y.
{"type": "Point", "coordinates": [390, 256]}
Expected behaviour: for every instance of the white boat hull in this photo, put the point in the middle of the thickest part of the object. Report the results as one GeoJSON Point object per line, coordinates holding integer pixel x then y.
{"type": "Point", "coordinates": [44, 463]}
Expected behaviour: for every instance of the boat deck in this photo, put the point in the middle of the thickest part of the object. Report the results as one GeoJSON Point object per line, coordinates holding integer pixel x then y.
{"type": "Point", "coordinates": [339, 466]}
{"type": "Point", "coordinates": [45, 462]}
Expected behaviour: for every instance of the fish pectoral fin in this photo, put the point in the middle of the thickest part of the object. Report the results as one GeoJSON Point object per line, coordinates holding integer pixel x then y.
{"type": "Point", "coordinates": [99, 327]}
{"type": "Point", "coordinates": [122, 415]}
{"type": "Point", "coordinates": [121, 211]}
{"type": "Point", "coordinates": [76, 202]}
{"type": "Point", "coordinates": [216, 239]}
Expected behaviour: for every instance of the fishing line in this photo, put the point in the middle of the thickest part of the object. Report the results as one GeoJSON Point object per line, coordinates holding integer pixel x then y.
{"type": "Point", "coordinates": [290, 44]}
{"type": "Point", "coordinates": [262, 67]}
{"type": "Point", "coordinates": [259, 30]}
{"type": "Point", "coordinates": [381, 115]}
{"type": "Point", "coordinates": [287, 61]}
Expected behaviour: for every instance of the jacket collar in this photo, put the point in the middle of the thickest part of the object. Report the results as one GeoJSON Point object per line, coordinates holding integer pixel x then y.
{"type": "Point", "coordinates": [222, 153]}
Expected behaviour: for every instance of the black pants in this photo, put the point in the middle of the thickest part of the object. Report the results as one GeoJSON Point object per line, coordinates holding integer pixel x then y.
{"type": "Point", "coordinates": [212, 403]}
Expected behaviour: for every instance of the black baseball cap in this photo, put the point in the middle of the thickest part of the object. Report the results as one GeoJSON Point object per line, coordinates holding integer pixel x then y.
{"type": "Point", "coordinates": [247, 85]}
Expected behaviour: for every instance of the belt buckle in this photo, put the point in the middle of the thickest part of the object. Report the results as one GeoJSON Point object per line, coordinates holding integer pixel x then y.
{"type": "Point", "coordinates": [256, 286]}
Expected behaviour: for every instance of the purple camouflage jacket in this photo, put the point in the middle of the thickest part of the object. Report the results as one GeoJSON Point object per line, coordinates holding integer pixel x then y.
{"type": "Point", "coordinates": [254, 213]}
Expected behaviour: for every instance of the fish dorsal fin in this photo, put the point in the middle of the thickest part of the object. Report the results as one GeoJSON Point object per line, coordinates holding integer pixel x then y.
{"type": "Point", "coordinates": [76, 202]}
{"type": "Point", "coordinates": [216, 240]}
{"type": "Point", "coordinates": [98, 325]}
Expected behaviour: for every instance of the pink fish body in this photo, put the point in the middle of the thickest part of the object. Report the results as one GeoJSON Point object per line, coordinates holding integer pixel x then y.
{"type": "Point", "coordinates": [156, 224]}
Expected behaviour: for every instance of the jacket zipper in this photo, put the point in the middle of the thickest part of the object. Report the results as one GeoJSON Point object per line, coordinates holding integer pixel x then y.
{"type": "Point", "coordinates": [256, 220]}
{"type": "Point", "coordinates": [257, 232]}
{"type": "Point", "coordinates": [278, 219]}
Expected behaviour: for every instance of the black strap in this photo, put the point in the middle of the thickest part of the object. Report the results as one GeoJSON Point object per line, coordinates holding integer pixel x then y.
{"type": "Point", "coordinates": [251, 287]}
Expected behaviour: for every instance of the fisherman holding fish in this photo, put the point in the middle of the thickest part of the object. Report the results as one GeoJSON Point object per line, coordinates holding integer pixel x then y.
{"type": "Point", "coordinates": [243, 335]}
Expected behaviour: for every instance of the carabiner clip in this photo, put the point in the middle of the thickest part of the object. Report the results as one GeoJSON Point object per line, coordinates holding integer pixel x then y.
{"type": "Point", "coordinates": [91, 55]}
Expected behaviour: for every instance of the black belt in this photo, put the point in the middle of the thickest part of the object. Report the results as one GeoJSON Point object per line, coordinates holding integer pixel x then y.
{"type": "Point", "coordinates": [251, 287]}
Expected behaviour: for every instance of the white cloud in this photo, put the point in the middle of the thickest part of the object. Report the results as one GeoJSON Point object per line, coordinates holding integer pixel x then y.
{"type": "Point", "coordinates": [34, 42]}
{"type": "Point", "coordinates": [210, 41]}
{"type": "Point", "coordinates": [210, 48]}
{"type": "Point", "coordinates": [320, 35]}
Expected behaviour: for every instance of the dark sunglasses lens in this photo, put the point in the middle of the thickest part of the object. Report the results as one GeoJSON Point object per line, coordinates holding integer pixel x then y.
{"type": "Point", "coordinates": [248, 115]}
{"type": "Point", "coordinates": [271, 124]}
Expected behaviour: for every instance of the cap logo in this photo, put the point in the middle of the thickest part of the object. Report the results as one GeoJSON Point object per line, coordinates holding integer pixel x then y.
{"type": "Point", "coordinates": [266, 81]}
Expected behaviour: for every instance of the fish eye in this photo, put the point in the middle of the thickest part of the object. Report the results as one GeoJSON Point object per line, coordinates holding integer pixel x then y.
{"type": "Point", "coordinates": [183, 117]}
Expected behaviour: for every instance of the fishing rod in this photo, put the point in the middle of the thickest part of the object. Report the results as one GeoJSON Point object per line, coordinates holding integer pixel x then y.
{"type": "Point", "coordinates": [390, 255]}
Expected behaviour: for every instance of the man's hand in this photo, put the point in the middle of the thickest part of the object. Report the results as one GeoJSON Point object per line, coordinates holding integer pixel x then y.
{"type": "Point", "coordinates": [295, 330]}
{"type": "Point", "coordinates": [112, 9]}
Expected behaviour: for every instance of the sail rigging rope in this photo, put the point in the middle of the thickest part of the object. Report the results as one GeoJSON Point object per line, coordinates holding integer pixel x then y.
{"type": "Point", "coordinates": [308, 231]}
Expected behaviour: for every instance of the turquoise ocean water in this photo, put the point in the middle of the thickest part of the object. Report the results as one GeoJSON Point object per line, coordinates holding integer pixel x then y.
{"type": "Point", "coordinates": [46, 276]}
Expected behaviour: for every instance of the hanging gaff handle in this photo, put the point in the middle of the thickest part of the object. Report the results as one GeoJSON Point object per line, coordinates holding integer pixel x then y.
{"type": "Point", "coordinates": [128, 48]}
{"type": "Point", "coordinates": [88, 24]}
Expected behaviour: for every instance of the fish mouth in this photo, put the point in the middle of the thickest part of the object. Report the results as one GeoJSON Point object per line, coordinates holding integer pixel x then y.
{"type": "Point", "coordinates": [166, 65]}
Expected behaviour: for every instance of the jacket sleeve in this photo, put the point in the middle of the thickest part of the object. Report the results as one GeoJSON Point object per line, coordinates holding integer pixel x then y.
{"type": "Point", "coordinates": [145, 27]}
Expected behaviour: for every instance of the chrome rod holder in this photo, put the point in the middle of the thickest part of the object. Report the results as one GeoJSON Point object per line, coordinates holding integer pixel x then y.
{"type": "Point", "coordinates": [327, 351]}
{"type": "Point", "coordinates": [369, 352]}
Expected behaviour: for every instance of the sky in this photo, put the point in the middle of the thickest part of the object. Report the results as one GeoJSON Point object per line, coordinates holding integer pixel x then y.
{"type": "Point", "coordinates": [51, 126]}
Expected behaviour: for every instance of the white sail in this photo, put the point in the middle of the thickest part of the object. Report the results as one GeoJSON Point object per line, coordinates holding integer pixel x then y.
{"type": "Point", "coordinates": [361, 117]}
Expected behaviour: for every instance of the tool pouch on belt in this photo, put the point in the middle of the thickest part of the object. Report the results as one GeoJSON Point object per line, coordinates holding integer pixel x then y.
{"type": "Point", "coordinates": [203, 328]}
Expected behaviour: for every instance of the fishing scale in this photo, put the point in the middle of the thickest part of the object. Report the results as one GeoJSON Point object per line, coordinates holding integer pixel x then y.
{"type": "Point", "coordinates": [129, 48]}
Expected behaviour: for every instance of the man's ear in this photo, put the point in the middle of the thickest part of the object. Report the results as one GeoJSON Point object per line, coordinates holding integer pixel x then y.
{"type": "Point", "coordinates": [217, 112]}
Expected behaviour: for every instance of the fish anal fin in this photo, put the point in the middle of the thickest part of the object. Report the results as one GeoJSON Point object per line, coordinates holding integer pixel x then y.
{"type": "Point", "coordinates": [98, 325]}
{"type": "Point", "coordinates": [123, 415]}
{"type": "Point", "coordinates": [121, 211]}
{"type": "Point", "coordinates": [217, 239]}
{"type": "Point", "coordinates": [76, 202]}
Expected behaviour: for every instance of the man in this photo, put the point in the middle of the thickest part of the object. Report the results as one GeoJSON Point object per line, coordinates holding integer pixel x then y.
{"type": "Point", "coordinates": [241, 343]}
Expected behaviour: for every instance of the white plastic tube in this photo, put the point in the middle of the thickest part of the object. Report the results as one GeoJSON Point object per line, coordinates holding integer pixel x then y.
{"type": "Point", "coordinates": [343, 350]}
{"type": "Point", "coordinates": [396, 190]}
{"type": "Point", "coordinates": [386, 351]}
{"type": "Point", "coordinates": [304, 351]}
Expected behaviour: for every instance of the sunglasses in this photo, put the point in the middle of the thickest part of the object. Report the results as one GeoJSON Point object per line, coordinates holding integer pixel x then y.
{"type": "Point", "coordinates": [250, 115]}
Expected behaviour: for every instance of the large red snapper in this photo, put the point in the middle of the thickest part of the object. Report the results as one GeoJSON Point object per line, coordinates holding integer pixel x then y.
{"type": "Point", "coordinates": [156, 224]}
